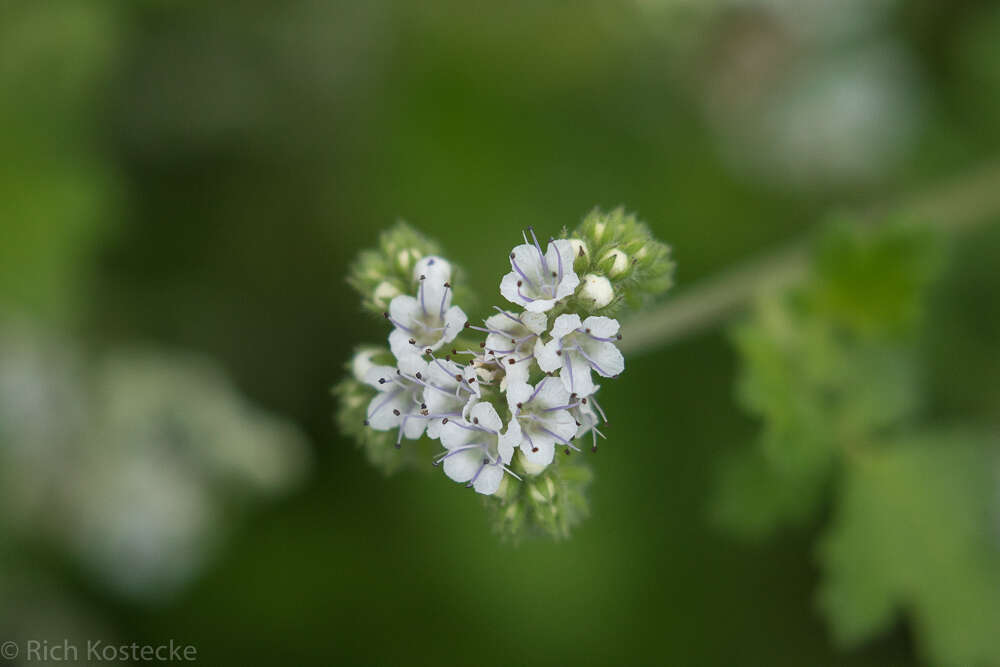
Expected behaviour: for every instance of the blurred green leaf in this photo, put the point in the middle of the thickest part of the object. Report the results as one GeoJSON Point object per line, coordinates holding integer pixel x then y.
{"type": "Point", "coordinates": [917, 529]}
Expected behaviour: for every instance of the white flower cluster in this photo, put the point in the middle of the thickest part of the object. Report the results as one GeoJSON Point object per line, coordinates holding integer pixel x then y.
{"type": "Point", "coordinates": [461, 403]}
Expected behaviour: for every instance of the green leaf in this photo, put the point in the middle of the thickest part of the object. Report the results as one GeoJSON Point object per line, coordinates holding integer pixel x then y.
{"type": "Point", "coordinates": [872, 280]}
{"type": "Point", "coordinates": [917, 529]}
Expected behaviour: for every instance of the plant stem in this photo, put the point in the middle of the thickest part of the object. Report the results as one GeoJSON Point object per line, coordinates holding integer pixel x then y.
{"type": "Point", "coordinates": [968, 201]}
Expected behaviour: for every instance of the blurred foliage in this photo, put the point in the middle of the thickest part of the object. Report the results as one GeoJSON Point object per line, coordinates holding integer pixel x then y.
{"type": "Point", "coordinates": [57, 189]}
{"type": "Point", "coordinates": [833, 369]}
{"type": "Point", "coordinates": [916, 529]}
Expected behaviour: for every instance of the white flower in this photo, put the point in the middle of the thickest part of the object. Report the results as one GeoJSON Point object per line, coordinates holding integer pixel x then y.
{"type": "Point", "coordinates": [539, 279]}
{"type": "Point", "coordinates": [425, 322]}
{"type": "Point", "coordinates": [511, 341]}
{"type": "Point", "coordinates": [432, 267]}
{"type": "Point", "coordinates": [399, 403]}
{"type": "Point", "coordinates": [449, 392]}
{"type": "Point", "coordinates": [577, 348]}
{"type": "Point", "coordinates": [478, 452]}
{"type": "Point", "coordinates": [543, 413]}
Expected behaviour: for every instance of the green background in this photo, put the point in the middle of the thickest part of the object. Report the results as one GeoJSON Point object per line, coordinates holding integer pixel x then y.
{"type": "Point", "coordinates": [199, 175]}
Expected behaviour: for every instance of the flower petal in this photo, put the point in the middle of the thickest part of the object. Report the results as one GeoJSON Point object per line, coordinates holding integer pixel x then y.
{"type": "Point", "coordinates": [454, 436]}
{"type": "Point", "coordinates": [518, 393]}
{"type": "Point", "coordinates": [376, 373]}
{"type": "Point", "coordinates": [538, 451]}
{"type": "Point", "coordinates": [403, 309]}
{"type": "Point", "coordinates": [551, 394]}
{"type": "Point", "coordinates": [605, 327]}
{"type": "Point", "coordinates": [489, 480]}
{"type": "Point", "coordinates": [509, 289]}
{"type": "Point", "coordinates": [487, 417]}
{"type": "Point", "coordinates": [565, 324]}
{"type": "Point", "coordinates": [534, 322]}
{"type": "Point", "coordinates": [462, 466]}
{"type": "Point", "coordinates": [546, 354]}
{"type": "Point", "coordinates": [605, 358]}
{"type": "Point", "coordinates": [454, 321]}
{"type": "Point", "coordinates": [575, 374]}
{"type": "Point", "coordinates": [380, 413]}
{"type": "Point", "coordinates": [399, 343]}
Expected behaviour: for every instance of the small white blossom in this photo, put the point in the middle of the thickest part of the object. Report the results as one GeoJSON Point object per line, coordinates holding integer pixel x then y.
{"type": "Point", "coordinates": [540, 279]}
{"type": "Point", "coordinates": [543, 413]}
{"type": "Point", "coordinates": [424, 322]}
{"type": "Point", "coordinates": [399, 403]}
{"type": "Point", "coordinates": [450, 390]}
{"type": "Point", "coordinates": [478, 452]}
{"type": "Point", "coordinates": [577, 348]}
{"type": "Point", "coordinates": [511, 341]}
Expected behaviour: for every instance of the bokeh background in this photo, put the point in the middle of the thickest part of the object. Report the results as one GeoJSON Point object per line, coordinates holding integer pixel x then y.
{"type": "Point", "coordinates": [183, 185]}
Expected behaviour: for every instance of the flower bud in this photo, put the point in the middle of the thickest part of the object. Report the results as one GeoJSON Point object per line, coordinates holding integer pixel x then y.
{"type": "Point", "coordinates": [618, 262]}
{"type": "Point", "coordinates": [433, 268]}
{"type": "Point", "coordinates": [596, 291]}
{"type": "Point", "coordinates": [384, 293]}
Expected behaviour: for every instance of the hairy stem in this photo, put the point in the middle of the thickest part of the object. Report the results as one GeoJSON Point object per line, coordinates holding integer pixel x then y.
{"type": "Point", "coordinates": [970, 200]}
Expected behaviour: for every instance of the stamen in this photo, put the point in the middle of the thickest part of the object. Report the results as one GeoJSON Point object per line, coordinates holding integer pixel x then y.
{"type": "Point", "coordinates": [541, 255]}
{"type": "Point", "coordinates": [508, 315]}
{"type": "Point", "coordinates": [444, 298]}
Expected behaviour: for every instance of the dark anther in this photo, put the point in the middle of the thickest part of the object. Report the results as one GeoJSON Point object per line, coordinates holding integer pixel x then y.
{"type": "Point", "coordinates": [512, 255]}
{"type": "Point", "coordinates": [448, 285]}
{"type": "Point", "coordinates": [475, 420]}
{"type": "Point", "coordinates": [395, 412]}
{"type": "Point", "coordinates": [534, 449]}
{"type": "Point", "coordinates": [365, 422]}
{"type": "Point", "coordinates": [467, 325]}
{"type": "Point", "coordinates": [483, 344]}
{"type": "Point", "coordinates": [413, 342]}
{"type": "Point", "coordinates": [587, 329]}
{"type": "Point", "coordinates": [422, 276]}
{"type": "Point", "coordinates": [444, 421]}
{"type": "Point", "coordinates": [519, 405]}
{"type": "Point", "coordinates": [619, 336]}
{"type": "Point", "coordinates": [419, 376]}
{"type": "Point", "coordinates": [511, 362]}
{"type": "Point", "coordinates": [381, 380]}
{"type": "Point", "coordinates": [428, 351]}
{"type": "Point", "coordinates": [582, 254]}
{"type": "Point", "coordinates": [519, 283]}
{"type": "Point", "coordinates": [559, 353]}
{"type": "Point", "coordinates": [458, 377]}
